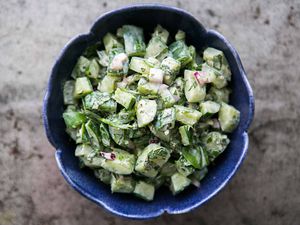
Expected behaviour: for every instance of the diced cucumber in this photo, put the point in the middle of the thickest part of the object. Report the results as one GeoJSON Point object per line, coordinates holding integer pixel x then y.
{"type": "Point", "coordinates": [165, 136]}
{"type": "Point", "coordinates": [144, 190]}
{"type": "Point", "coordinates": [81, 67]}
{"type": "Point", "coordinates": [134, 40]}
{"type": "Point", "coordinates": [83, 87]}
{"type": "Point", "coordinates": [209, 108]}
{"type": "Point", "coordinates": [122, 184]}
{"type": "Point", "coordinates": [196, 155]}
{"type": "Point", "coordinates": [119, 32]}
{"type": "Point", "coordinates": [177, 90]}
{"type": "Point", "coordinates": [123, 162]}
{"type": "Point", "coordinates": [100, 101]}
{"type": "Point", "coordinates": [152, 158]}
{"type": "Point", "coordinates": [180, 35]}
{"type": "Point", "coordinates": [184, 167]}
{"type": "Point", "coordinates": [194, 92]}
{"type": "Point", "coordinates": [69, 87]}
{"type": "Point", "coordinates": [216, 58]}
{"type": "Point", "coordinates": [196, 62]}
{"type": "Point", "coordinates": [93, 69]}
{"type": "Point", "coordinates": [167, 97]}
{"type": "Point", "coordinates": [214, 143]}
{"type": "Point", "coordinates": [108, 84]}
{"type": "Point", "coordinates": [148, 88]}
{"type": "Point", "coordinates": [179, 183]}
{"type": "Point", "coordinates": [94, 100]}
{"type": "Point", "coordinates": [218, 95]}
{"type": "Point", "coordinates": [213, 57]}
{"type": "Point", "coordinates": [171, 67]}
{"type": "Point", "coordinates": [168, 169]}
{"type": "Point", "coordinates": [159, 31]}
{"type": "Point", "coordinates": [103, 58]}
{"type": "Point", "coordinates": [120, 137]}
{"type": "Point", "coordinates": [214, 76]}
{"type": "Point", "coordinates": [156, 75]}
{"type": "Point", "coordinates": [83, 150]}
{"type": "Point", "coordinates": [180, 51]}
{"type": "Point", "coordinates": [110, 41]}
{"type": "Point", "coordinates": [156, 48]}
{"type": "Point", "coordinates": [187, 115]}
{"type": "Point", "coordinates": [118, 62]}
{"type": "Point", "coordinates": [94, 163]}
{"type": "Point", "coordinates": [157, 181]}
{"type": "Point", "coordinates": [103, 175]}
{"type": "Point", "coordinates": [124, 98]}
{"type": "Point", "coordinates": [229, 117]}
{"type": "Point", "coordinates": [165, 119]}
{"type": "Point", "coordinates": [153, 62]}
{"type": "Point", "coordinates": [72, 132]}
{"type": "Point", "coordinates": [73, 118]}
{"type": "Point", "coordinates": [139, 65]}
{"type": "Point", "coordinates": [146, 111]}
{"type": "Point", "coordinates": [185, 134]}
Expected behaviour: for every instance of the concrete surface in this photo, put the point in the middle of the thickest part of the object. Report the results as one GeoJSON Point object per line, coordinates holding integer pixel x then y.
{"type": "Point", "coordinates": [266, 189]}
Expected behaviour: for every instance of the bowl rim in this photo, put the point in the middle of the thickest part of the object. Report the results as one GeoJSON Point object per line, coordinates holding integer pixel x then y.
{"type": "Point", "coordinates": [245, 127]}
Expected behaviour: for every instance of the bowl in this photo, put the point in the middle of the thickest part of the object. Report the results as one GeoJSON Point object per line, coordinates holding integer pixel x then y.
{"type": "Point", "coordinates": [147, 16]}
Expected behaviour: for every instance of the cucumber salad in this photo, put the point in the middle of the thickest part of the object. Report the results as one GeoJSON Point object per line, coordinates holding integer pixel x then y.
{"type": "Point", "coordinates": [146, 115]}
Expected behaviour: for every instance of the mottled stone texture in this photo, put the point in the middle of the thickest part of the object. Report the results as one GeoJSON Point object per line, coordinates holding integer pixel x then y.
{"type": "Point", "coordinates": [266, 188]}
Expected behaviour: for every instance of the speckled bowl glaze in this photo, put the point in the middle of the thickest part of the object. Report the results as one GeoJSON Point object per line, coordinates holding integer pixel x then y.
{"type": "Point", "coordinates": [147, 16]}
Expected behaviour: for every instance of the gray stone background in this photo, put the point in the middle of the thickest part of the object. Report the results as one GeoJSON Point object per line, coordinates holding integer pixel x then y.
{"type": "Point", "coordinates": [266, 188]}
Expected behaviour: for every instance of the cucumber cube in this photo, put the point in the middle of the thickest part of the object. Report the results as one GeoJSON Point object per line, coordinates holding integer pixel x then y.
{"type": "Point", "coordinates": [83, 87]}
{"type": "Point", "coordinates": [187, 115]}
{"type": "Point", "coordinates": [218, 95]}
{"type": "Point", "coordinates": [194, 92]}
{"type": "Point", "coordinates": [144, 190]}
{"type": "Point", "coordinates": [171, 67]}
{"type": "Point", "coordinates": [124, 98]}
{"type": "Point", "coordinates": [180, 35]}
{"type": "Point", "coordinates": [110, 41]}
{"type": "Point", "coordinates": [122, 184]}
{"type": "Point", "coordinates": [229, 117]}
{"type": "Point", "coordinates": [139, 65]}
{"type": "Point", "coordinates": [108, 84]}
{"type": "Point", "coordinates": [156, 49]}
{"type": "Point", "coordinates": [156, 75]}
{"type": "Point", "coordinates": [209, 108]}
{"type": "Point", "coordinates": [73, 118]}
{"type": "Point", "coordinates": [180, 51]}
{"type": "Point", "coordinates": [83, 150]}
{"type": "Point", "coordinates": [123, 163]}
{"type": "Point", "coordinates": [168, 99]}
{"type": "Point", "coordinates": [69, 87]}
{"type": "Point", "coordinates": [214, 76]}
{"type": "Point", "coordinates": [103, 58]}
{"type": "Point", "coordinates": [152, 158]}
{"type": "Point", "coordinates": [179, 183]}
{"type": "Point", "coordinates": [213, 57]}
{"type": "Point", "coordinates": [214, 143]}
{"type": "Point", "coordinates": [148, 88]}
{"type": "Point", "coordinates": [146, 111]}
{"type": "Point", "coordinates": [103, 175]}
{"type": "Point", "coordinates": [159, 31]}
{"type": "Point", "coordinates": [134, 40]}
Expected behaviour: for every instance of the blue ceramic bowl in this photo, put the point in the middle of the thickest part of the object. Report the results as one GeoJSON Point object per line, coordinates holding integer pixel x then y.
{"type": "Point", "coordinates": [147, 16]}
